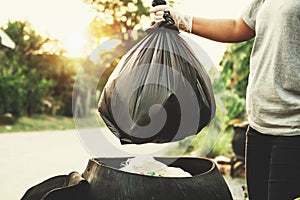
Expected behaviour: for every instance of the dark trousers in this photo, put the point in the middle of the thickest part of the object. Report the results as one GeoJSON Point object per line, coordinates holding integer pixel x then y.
{"type": "Point", "coordinates": [272, 166]}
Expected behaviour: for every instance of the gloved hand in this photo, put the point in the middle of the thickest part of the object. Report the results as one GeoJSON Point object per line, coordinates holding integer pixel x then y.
{"type": "Point", "coordinates": [182, 21]}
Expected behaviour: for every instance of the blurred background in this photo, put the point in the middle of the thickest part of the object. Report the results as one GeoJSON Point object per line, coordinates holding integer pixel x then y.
{"type": "Point", "coordinates": [43, 45]}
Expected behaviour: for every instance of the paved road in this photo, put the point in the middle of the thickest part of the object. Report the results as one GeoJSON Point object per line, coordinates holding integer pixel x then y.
{"type": "Point", "coordinates": [30, 158]}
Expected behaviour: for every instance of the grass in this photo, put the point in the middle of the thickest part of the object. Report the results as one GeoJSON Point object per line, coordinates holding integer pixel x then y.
{"type": "Point", "coordinates": [41, 123]}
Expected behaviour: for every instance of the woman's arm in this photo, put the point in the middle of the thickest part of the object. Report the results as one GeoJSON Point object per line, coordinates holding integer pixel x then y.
{"type": "Point", "coordinates": [222, 30]}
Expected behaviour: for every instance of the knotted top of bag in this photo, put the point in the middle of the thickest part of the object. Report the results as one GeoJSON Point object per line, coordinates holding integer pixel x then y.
{"type": "Point", "coordinates": [169, 21]}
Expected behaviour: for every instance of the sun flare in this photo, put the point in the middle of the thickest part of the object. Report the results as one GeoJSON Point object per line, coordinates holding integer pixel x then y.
{"type": "Point", "coordinates": [75, 45]}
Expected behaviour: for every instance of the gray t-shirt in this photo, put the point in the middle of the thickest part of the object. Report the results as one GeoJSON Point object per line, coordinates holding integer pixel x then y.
{"type": "Point", "coordinates": [273, 93]}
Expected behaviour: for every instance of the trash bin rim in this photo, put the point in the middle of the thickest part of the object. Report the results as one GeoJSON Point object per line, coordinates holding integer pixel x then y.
{"type": "Point", "coordinates": [96, 161]}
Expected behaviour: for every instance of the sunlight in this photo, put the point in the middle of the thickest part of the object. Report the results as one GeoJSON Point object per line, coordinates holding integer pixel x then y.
{"type": "Point", "coordinates": [75, 45]}
{"type": "Point", "coordinates": [61, 20]}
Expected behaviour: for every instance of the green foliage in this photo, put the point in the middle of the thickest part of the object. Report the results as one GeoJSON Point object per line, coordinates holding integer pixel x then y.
{"type": "Point", "coordinates": [20, 87]}
{"type": "Point", "coordinates": [62, 71]}
{"type": "Point", "coordinates": [31, 80]}
{"type": "Point", "coordinates": [235, 74]}
{"type": "Point", "coordinates": [42, 122]}
{"type": "Point", "coordinates": [39, 123]}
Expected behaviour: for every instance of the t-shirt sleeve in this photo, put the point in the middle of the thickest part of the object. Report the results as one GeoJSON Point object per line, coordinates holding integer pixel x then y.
{"type": "Point", "coordinates": [249, 14]}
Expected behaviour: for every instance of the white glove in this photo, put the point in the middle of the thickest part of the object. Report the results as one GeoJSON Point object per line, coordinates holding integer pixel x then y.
{"type": "Point", "coordinates": [182, 21]}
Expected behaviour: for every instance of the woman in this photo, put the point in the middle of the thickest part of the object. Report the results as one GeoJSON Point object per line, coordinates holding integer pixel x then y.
{"type": "Point", "coordinates": [273, 93]}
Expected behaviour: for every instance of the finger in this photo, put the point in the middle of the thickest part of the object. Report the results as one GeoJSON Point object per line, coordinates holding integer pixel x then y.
{"type": "Point", "coordinates": [159, 8]}
{"type": "Point", "coordinates": [158, 18]}
{"type": "Point", "coordinates": [159, 13]}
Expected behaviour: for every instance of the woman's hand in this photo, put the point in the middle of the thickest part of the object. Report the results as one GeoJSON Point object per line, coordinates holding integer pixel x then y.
{"type": "Point", "coordinates": [182, 21]}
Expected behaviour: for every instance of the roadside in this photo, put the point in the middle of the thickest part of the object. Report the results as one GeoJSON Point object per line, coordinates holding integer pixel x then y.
{"type": "Point", "coordinates": [35, 123]}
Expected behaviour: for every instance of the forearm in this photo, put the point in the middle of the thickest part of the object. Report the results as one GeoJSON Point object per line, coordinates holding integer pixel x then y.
{"type": "Point", "coordinates": [222, 30]}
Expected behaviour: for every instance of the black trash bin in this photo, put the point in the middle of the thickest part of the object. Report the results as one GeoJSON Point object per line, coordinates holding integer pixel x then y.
{"type": "Point", "coordinates": [108, 182]}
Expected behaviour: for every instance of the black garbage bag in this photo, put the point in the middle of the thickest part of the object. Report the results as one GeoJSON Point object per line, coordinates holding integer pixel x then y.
{"type": "Point", "coordinates": [159, 92]}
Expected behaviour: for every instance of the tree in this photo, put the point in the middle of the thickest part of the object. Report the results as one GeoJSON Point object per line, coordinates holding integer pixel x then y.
{"type": "Point", "coordinates": [29, 75]}
{"type": "Point", "coordinates": [116, 17]}
{"type": "Point", "coordinates": [62, 72]}
{"type": "Point", "coordinates": [21, 87]}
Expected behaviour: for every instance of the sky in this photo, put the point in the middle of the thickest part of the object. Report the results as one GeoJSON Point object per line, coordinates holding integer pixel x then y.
{"type": "Point", "coordinates": [66, 20]}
